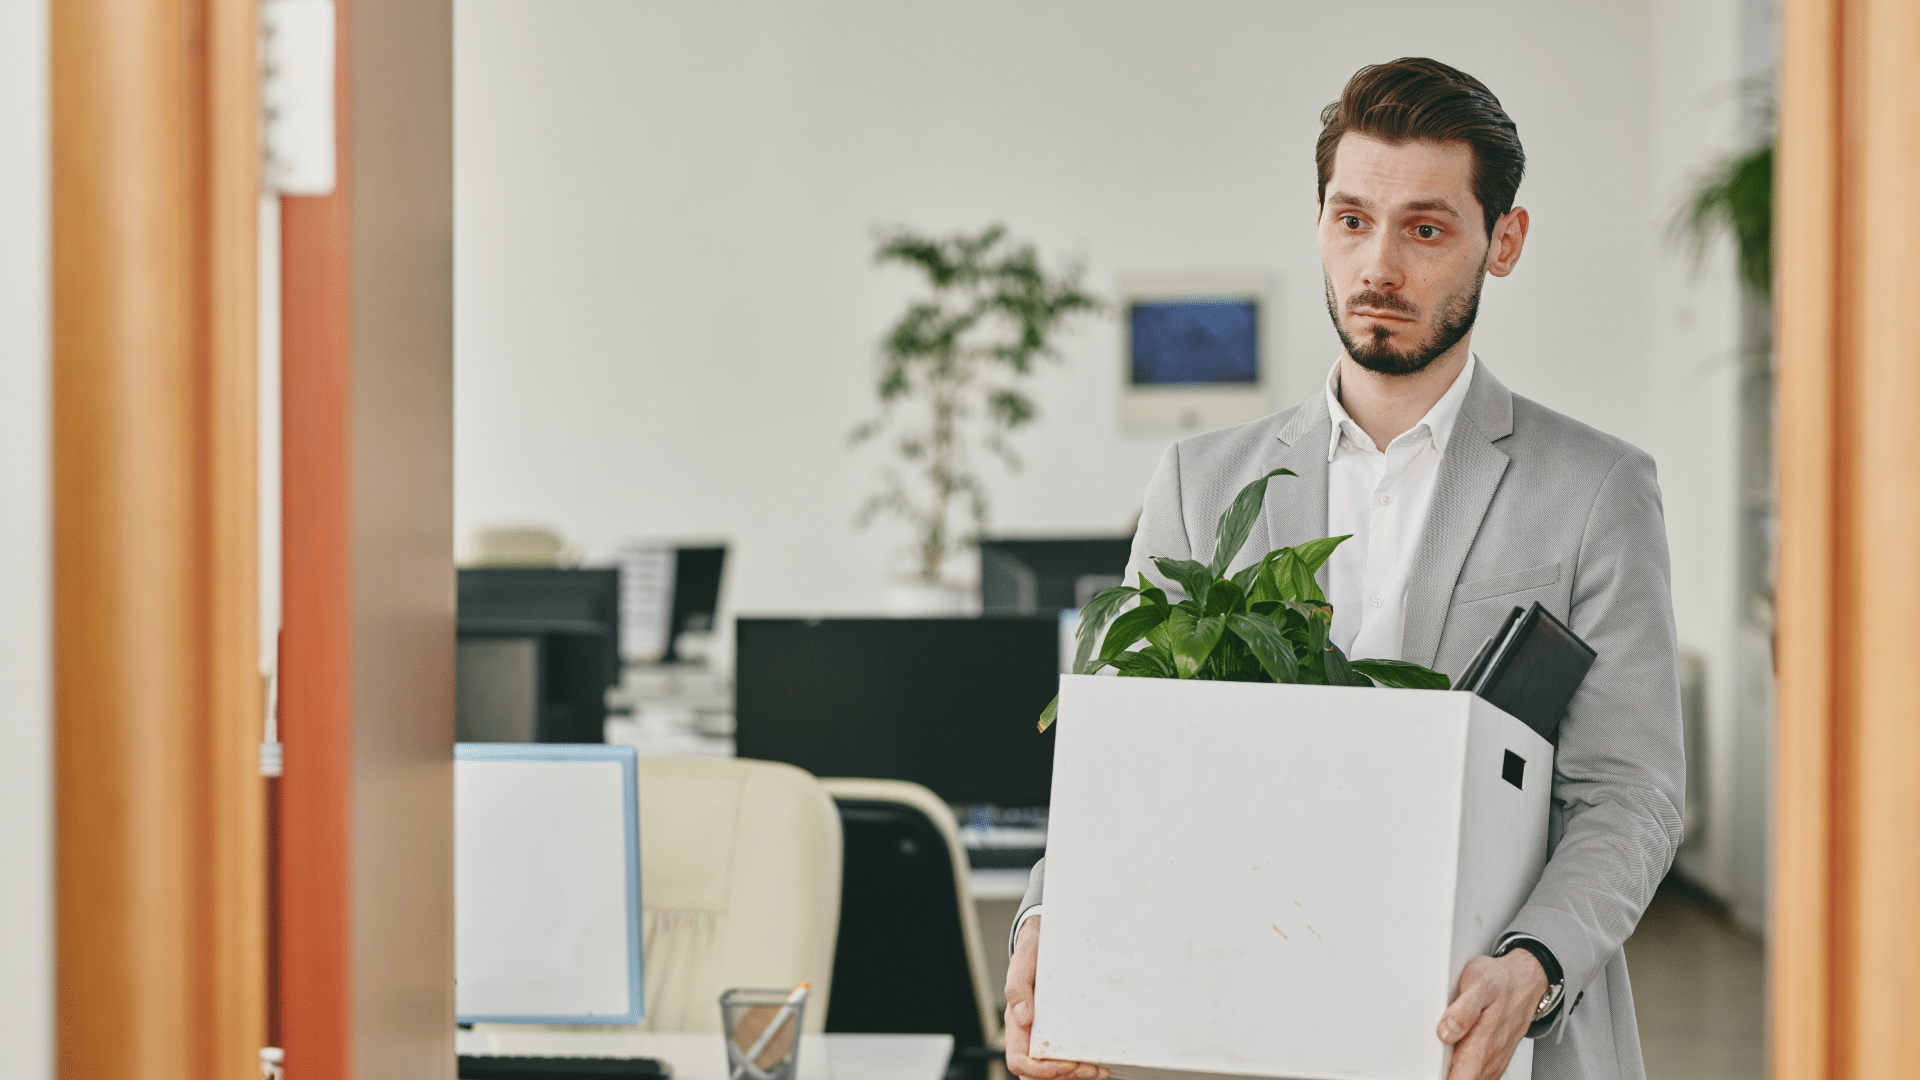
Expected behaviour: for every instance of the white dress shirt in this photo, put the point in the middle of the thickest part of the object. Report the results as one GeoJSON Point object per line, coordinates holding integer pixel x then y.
{"type": "Point", "coordinates": [1381, 497]}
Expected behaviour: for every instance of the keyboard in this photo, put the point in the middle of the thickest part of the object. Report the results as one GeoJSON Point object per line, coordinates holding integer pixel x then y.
{"type": "Point", "coordinates": [490, 1067]}
{"type": "Point", "coordinates": [1001, 838]}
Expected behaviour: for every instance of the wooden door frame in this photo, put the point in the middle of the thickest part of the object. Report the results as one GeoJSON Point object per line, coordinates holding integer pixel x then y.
{"type": "Point", "coordinates": [157, 695]}
{"type": "Point", "coordinates": [364, 936]}
{"type": "Point", "coordinates": [1847, 861]}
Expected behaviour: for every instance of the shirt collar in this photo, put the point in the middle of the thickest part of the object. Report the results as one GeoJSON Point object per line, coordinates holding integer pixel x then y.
{"type": "Point", "coordinates": [1438, 422]}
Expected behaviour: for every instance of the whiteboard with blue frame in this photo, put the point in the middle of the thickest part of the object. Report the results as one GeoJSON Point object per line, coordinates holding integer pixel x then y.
{"type": "Point", "coordinates": [547, 884]}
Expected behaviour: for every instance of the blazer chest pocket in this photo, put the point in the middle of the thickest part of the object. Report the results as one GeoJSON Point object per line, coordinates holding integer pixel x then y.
{"type": "Point", "coordinates": [1533, 577]}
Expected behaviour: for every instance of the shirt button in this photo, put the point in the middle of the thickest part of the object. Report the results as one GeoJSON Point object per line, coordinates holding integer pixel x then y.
{"type": "Point", "coordinates": [1386, 500]}
{"type": "Point", "coordinates": [1375, 601]}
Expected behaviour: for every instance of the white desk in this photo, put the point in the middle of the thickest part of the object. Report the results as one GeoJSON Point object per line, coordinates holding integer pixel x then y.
{"type": "Point", "coordinates": [998, 884]}
{"type": "Point", "coordinates": [704, 1057]}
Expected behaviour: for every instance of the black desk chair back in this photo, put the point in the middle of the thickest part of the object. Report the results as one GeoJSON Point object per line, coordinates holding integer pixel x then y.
{"type": "Point", "coordinates": [909, 956]}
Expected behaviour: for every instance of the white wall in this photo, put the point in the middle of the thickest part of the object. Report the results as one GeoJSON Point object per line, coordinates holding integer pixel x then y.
{"type": "Point", "coordinates": [666, 313]}
{"type": "Point", "coordinates": [26, 789]}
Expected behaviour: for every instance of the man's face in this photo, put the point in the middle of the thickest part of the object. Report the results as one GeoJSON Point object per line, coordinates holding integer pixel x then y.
{"type": "Point", "coordinates": [1404, 248]}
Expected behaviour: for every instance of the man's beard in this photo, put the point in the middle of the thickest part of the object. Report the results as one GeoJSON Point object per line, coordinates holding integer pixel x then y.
{"type": "Point", "coordinates": [1457, 313]}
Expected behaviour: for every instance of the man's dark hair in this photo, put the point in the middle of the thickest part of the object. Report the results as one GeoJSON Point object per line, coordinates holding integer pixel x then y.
{"type": "Point", "coordinates": [1415, 99]}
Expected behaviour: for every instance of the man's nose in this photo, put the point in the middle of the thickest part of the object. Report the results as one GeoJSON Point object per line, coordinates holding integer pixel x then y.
{"type": "Point", "coordinates": [1382, 271]}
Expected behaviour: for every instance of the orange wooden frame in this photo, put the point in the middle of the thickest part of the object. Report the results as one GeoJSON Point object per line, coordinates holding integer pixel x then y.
{"type": "Point", "coordinates": [1847, 839]}
{"type": "Point", "coordinates": [314, 980]}
{"type": "Point", "coordinates": [160, 940]}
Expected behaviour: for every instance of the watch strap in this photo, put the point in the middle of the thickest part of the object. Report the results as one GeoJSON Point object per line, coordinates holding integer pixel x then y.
{"type": "Point", "coordinates": [1553, 1002]}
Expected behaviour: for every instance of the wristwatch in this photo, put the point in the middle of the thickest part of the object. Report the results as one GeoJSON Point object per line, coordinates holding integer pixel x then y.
{"type": "Point", "coordinates": [1556, 981]}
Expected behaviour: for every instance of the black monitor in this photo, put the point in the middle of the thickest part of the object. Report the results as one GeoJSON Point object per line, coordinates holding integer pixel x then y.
{"type": "Point", "coordinates": [948, 703]}
{"type": "Point", "coordinates": [1043, 577]}
{"type": "Point", "coordinates": [538, 648]}
{"type": "Point", "coordinates": [696, 594]}
{"type": "Point", "coordinates": [530, 682]}
{"type": "Point", "coordinates": [548, 595]}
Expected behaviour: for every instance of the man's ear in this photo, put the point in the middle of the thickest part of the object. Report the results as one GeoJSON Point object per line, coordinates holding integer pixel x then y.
{"type": "Point", "coordinates": [1509, 236]}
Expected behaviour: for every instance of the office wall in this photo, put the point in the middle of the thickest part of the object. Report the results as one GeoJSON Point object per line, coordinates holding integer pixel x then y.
{"type": "Point", "coordinates": [666, 312]}
{"type": "Point", "coordinates": [26, 870]}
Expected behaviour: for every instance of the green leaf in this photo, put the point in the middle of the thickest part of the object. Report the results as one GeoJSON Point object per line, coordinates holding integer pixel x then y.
{"type": "Point", "coordinates": [1401, 675]}
{"type": "Point", "coordinates": [1319, 625]}
{"type": "Point", "coordinates": [1147, 663]}
{"type": "Point", "coordinates": [1161, 637]}
{"type": "Point", "coordinates": [1314, 553]}
{"type": "Point", "coordinates": [1050, 713]}
{"type": "Point", "coordinates": [1263, 588]}
{"type": "Point", "coordinates": [1268, 645]}
{"type": "Point", "coordinates": [1149, 592]}
{"type": "Point", "coordinates": [1223, 597]}
{"type": "Point", "coordinates": [1231, 532]}
{"type": "Point", "coordinates": [1193, 640]}
{"type": "Point", "coordinates": [1131, 627]}
{"type": "Point", "coordinates": [1293, 579]}
{"type": "Point", "coordinates": [1093, 618]}
{"type": "Point", "coordinates": [1190, 575]}
{"type": "Point", "coordinates": [1155, 661]}
{"type": "Point", "coordinates": [1339, 672]}
{"type": "Point", "coordinates": [1249, 577]}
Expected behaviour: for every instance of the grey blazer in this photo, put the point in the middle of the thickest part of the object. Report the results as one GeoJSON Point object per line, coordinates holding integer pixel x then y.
{"type": "Point", "coordinates": [1530, 505]}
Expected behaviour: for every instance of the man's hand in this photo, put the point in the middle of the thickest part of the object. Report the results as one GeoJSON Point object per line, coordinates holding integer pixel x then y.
{"type": "Point", "coordinates": [1026, 955]}
{"type": "Point", "coordinates": [1491, 1015]}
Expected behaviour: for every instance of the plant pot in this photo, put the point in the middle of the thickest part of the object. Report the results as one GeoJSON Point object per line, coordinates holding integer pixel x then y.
{"type": "Point", "coordinates": [924, 599]}
{"type": "Point", "coordinates": [1256, 879]}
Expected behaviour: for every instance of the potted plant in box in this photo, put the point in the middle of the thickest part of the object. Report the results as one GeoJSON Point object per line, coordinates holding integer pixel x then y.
{"type": "Point", "coordinates": [1274, 880]}
{"type": "Point", "coordinates": [1268, 623]}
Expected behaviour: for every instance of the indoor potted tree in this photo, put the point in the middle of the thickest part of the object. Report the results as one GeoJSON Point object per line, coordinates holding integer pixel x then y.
{"type": "Point", "coordinates": [951, 369]}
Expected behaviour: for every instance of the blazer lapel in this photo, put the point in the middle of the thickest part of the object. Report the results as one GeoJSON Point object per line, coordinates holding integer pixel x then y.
{"type": "Point", "coordinates": [1296, 510]}
{"type": "Point", "coordinates": [1470, 471]}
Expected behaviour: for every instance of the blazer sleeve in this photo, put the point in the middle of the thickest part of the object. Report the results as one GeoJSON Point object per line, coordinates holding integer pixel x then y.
{"type": "Point", "coordinates": [1163, 526]}
{"type": "Point", "coordinates": [1162, 532]}
{"type": "Point", "coordinates": [1619, 770]}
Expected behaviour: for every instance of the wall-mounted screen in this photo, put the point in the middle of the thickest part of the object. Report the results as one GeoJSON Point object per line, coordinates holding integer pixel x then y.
{"type": "Point", "coordinates": [1204, 340]}
{"type": "Point", "coordinates": [1195, 351]}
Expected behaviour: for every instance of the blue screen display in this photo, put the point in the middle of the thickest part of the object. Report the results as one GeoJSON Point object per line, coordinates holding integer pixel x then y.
{"type": "Point", "coordinates": [1194, 341]}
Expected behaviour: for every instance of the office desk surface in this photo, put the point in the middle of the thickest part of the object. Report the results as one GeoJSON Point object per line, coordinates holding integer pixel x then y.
{"type": "Point", "coordinates": [704, 1057]}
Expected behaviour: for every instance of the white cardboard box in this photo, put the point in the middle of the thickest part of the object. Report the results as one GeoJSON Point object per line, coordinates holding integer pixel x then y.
{"type": "Point", "coordinates": [1249, 879]}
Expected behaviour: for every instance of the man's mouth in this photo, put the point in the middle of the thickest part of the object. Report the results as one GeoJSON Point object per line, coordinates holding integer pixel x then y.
{"type": "Point", "coordinates": [1366, 313]}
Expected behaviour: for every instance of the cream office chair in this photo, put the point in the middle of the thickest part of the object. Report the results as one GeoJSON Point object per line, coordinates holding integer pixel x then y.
{"type": "Point", "coordinates": [739, 886]}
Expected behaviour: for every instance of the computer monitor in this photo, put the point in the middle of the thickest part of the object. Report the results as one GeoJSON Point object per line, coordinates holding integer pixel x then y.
{"type": "Point", "coordinates": [528, 596]}
{"type": "Point", "coordinates": [530, 681]}
{"type": "Point", "coordinates": [948, 703]}
{"type": "Point", "coordinates": [1046, 576]}
{"type": "Point", "coordinates": [667, 591]}
{"type": "Point", "coordinates": [696, 594]}
{"type": "Point", "coordinates": [546, 876]}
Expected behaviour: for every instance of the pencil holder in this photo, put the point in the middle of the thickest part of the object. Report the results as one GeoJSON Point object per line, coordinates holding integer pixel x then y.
{"type": "Point", "coordinates": [763, 1034]}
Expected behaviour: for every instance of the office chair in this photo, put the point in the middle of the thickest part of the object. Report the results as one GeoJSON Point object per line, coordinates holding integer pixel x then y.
{"type": "Point", "coordinates": [739, 886]}
{"type": "Point", "coordinates": [910, 957]}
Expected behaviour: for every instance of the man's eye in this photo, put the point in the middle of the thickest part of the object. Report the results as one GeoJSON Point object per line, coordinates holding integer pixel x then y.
{"type": "Point", "coordinates": [1426, 232]}
{"type": "Point", "coordinates": [1350, 221]}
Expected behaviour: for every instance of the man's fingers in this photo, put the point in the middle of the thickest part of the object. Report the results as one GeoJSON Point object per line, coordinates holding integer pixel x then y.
{"type": "Point", "coordinates": [1469, 1060]}
{"type": "Point", "coordinates": [1019, 1035]}
{"type": "Point", "coordinates": [1464, 1013]}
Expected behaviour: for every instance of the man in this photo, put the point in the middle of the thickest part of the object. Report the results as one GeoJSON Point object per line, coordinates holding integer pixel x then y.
{"type": "Point", "coordinates": [1463, 500]}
